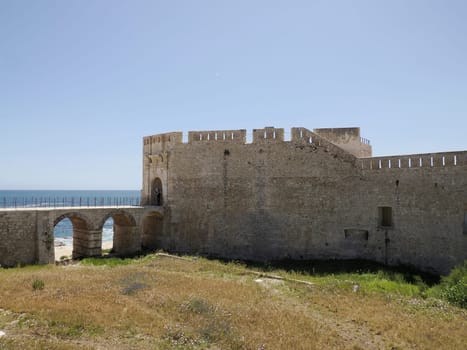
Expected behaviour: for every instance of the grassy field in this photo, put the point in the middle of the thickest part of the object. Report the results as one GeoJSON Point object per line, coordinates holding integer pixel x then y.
{"type": "Point", "coordinates": [162, 302]}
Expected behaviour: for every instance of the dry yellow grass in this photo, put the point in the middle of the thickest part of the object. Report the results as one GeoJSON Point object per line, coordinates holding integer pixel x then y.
{"type": "Point", "coordinates": [164, 303]}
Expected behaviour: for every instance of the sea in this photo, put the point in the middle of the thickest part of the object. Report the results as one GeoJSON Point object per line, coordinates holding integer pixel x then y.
{"type": "Point", "coordinates": [63, 231]}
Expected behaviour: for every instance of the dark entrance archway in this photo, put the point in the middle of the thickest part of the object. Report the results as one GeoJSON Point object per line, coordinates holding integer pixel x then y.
{"type": "Point", "coordinates": [156, 192]}
{"type": "Point", "coordinates": [151, 229]}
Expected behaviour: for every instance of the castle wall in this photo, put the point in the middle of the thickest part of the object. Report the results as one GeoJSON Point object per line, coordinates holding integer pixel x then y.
{"type": "Point", "coordinates": [308, 199]}
{"type": "Point", "coordinates": [427, 194]}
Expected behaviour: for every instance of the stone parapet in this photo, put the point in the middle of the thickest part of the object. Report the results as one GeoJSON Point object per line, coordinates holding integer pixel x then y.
{"type": "Point", "coordinates": [235, 136]}
{"type": "Point", "coordinates": [413, 161]}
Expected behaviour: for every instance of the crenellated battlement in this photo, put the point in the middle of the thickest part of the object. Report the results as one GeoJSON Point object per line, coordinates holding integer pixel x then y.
{"type": "Point", "coordinates": [344, 142]}
{"type": "Point", "coordinates": [301, 135]}
{"type": "Point", "coordinates": [426, 160]}
{"type": "Point", "coordinates": [173, 137]}
{"type": "Point", "coordinates": [337, 137]}
{"type": "Point", "coordinates": [157, 143]}
{"type": "Point", "coordinates": [268, 134]}
{"type": "Point", "coordinates": [236, 136]}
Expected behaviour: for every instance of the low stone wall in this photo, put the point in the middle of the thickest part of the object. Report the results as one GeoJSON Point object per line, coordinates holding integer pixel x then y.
{"type": "Point", "coordinates": [26, 235]}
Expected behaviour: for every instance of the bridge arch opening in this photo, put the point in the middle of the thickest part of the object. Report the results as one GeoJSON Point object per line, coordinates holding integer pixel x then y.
{"type": "Point", "coordinates": [108, 236]}
{"type": "Point", "coordinates": [151, 229]}
{"type": "Point", "coordinates": [124, 234]}
{"type": "Point", "coordinates": [156, 192]}
{"type": "Point", "coordinates": [71, 236]}
{"type": "Point", "coordinates": [63, 239]}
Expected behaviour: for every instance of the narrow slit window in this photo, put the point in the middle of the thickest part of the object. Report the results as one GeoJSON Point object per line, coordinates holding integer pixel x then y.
{"type": "Point", "coordinates": [465, 221]}
{"type": "Point", "coordinates": [385, 216]}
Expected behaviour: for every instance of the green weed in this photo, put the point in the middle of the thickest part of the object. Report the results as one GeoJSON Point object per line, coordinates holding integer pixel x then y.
{"type": "Point", "coordinates": [453, 287]}
{"type": "Point", "coordinates": [112, 262]}
{"type": "Point", "coordinates": [38, 284]}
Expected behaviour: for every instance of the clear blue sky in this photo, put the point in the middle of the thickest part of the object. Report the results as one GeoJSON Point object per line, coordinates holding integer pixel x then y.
{"type": "Point", "coordinates": [81, 82]}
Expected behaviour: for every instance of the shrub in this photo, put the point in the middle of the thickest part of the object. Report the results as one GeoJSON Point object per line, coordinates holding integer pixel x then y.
{"type": "Point", "coordinates": [198, 306]}
{"type": "Point", "coordinates": [453, 287]}
{"type": "Point", "coordinates": [38, 284]}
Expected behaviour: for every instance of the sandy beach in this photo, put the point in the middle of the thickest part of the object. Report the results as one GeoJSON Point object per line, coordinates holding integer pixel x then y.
{"type": "Point", "coordinates": [66, 250]}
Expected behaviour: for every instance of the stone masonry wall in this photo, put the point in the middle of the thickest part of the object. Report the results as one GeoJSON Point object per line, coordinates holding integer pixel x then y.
{"type": "Point", "coordinates": [306, 199]}
{"type": "Point", "coordinates": [17, 244]}
{"type": "Point", "coordinates": [26, 235]}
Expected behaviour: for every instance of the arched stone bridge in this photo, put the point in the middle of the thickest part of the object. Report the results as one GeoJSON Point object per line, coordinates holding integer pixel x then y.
{"type": "Point", "coordinates": [27, 235]}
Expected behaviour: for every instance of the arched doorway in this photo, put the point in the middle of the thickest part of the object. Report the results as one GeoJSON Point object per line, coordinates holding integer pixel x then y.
{"type": "Point", "coordinates": [126, 238]}
{"type": "Point", "coordinates": [156, 192]}
{"type": "Point", "coordinates": [152, 228]}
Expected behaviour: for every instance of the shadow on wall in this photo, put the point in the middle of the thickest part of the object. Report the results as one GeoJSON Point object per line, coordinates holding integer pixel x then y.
{"type": "Point", "coordinates": [151, 229]}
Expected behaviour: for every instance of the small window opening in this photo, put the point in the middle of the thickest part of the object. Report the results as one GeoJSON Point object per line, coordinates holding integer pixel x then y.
{"type": "Point", "coordinates": [385, 216]}
{"type": "Point", "coordinates": [465, 221]}
{"type": "Point", "coordinates": [356, 234]}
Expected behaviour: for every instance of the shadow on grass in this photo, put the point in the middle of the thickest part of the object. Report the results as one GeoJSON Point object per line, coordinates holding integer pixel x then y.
{"type": "Point", "coordinates": [328, 267]}
{"type": "Point", "coordinates": [311, 267]}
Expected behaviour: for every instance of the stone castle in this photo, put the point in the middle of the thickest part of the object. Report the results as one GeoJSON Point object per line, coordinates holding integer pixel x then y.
{"type": "Point", "coordinates": [320, 195]}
